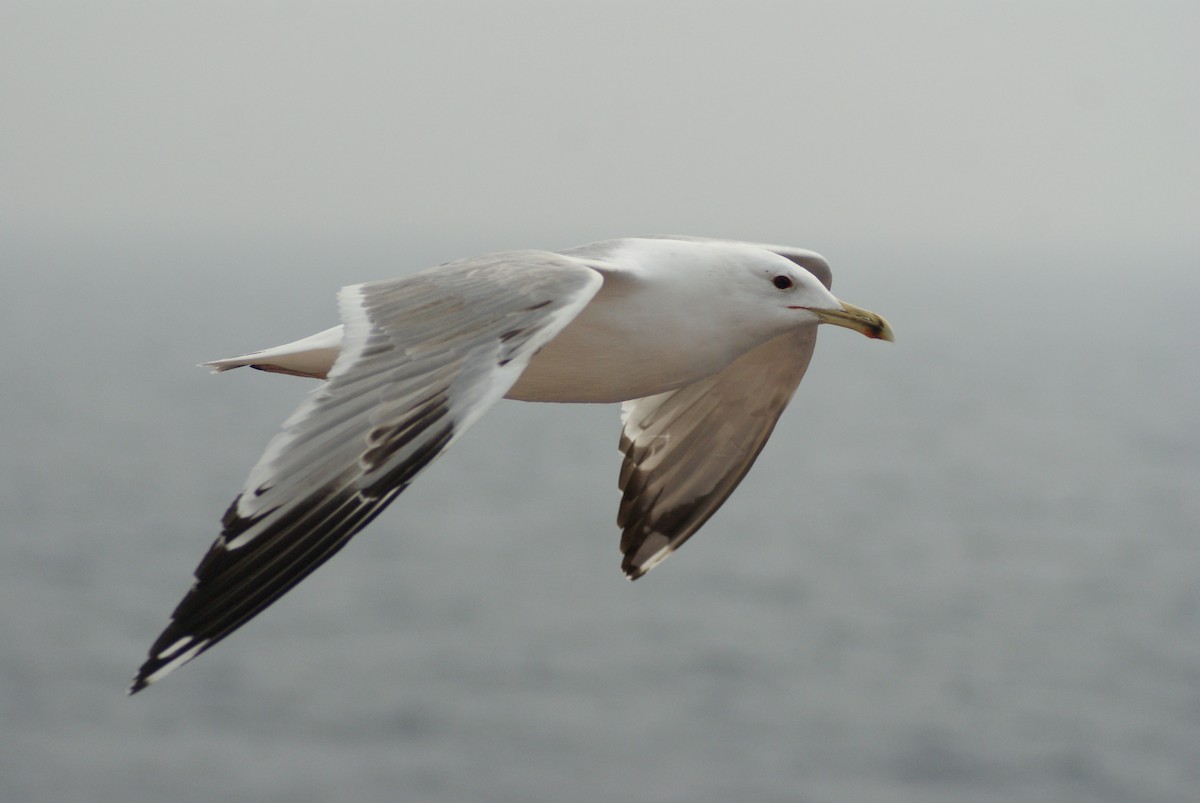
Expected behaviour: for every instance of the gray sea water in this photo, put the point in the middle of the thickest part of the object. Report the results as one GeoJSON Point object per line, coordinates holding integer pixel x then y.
{"type": "Point", "coordinates": [965, 568]}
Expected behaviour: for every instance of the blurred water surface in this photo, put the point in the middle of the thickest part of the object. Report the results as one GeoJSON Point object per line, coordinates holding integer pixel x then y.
{"type": "Point", "coordinates": [964, 569]}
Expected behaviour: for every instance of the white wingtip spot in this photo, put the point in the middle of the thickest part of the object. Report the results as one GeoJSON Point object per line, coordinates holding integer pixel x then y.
{"type": "Point", "coordinates": [177, 662]}
{"type": "Point", "coordinates": [174, 648]}
{"type": "Point", "coordinates": [240, 541]}
{"type": "Point", "coordinates": [657, 558]}
{"type": "Point", "coordinates": [654, 550]}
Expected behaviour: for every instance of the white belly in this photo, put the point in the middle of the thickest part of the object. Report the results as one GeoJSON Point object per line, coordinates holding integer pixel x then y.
{"type": "Point", "coordinates": [613, 353]}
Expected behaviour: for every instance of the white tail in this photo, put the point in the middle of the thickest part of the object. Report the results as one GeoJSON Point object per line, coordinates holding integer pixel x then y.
{"type": "Point", "coordinates": [311, 357]}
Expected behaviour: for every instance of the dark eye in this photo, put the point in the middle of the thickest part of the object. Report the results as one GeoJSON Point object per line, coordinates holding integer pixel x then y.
{"type": "Point", "coordinates": [782, 282]}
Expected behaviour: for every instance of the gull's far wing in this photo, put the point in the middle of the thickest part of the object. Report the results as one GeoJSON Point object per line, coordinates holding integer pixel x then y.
{"type": "Point", "coordinates": [686, 450]}
{"type": "Point", "coordinates": [422, 359]}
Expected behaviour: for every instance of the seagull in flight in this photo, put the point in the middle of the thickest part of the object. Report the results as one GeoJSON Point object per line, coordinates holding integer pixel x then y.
{"type": "Point", "coordinates": [701, 341]}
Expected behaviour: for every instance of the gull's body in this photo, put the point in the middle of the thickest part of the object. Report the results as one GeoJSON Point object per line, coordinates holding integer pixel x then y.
{"type": "Point", "coordinates": [704, 342]}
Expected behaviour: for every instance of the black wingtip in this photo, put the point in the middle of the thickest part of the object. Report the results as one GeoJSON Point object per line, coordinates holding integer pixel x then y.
{"type": "Point", "coordinates": [144, 677]}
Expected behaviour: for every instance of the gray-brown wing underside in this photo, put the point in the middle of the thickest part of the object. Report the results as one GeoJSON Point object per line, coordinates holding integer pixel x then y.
{"type": "Point", "coordinates": [686, 450]}
{"type": "Point", "coordinates": [422, 359]}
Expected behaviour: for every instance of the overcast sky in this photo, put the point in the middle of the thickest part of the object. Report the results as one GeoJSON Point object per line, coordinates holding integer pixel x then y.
{"type": "Point", "coordinates": [901, 124]}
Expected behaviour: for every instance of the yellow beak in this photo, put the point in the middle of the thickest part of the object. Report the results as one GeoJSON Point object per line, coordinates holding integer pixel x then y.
{"type": "Point", "coordinates": [862, 320]}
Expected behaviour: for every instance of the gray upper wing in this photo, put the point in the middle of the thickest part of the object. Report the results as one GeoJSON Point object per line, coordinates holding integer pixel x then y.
{"type": "Point", "coordinates": [422, 359]}
{"type": "Point", "coordinates": [686, 450]}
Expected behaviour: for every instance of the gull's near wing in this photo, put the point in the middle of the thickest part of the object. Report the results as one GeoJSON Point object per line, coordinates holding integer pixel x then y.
{"type": "Point", "coordinates": [422, 358]}
{"type": "Point", "coordinates": [687, 449]}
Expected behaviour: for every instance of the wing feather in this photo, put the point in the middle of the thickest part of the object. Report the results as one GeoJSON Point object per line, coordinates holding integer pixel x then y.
{"type": "Point", "coordinates": [422, 358]}
{"type": "Point", "coordinates": [687, 450]}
